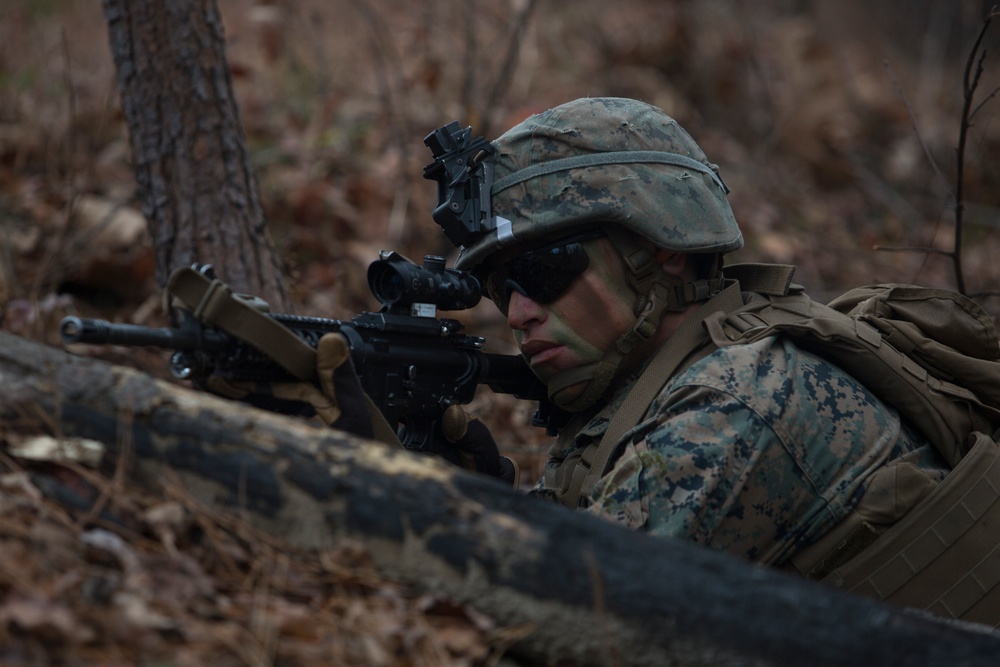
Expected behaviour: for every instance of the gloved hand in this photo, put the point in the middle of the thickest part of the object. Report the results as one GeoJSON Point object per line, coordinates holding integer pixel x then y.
{"type": "Point", "coordinates": [341, 386]}
{"type": "Point", "coordinates": [475, 448]}
{"type": "Point", "coordinates": [339, 400]}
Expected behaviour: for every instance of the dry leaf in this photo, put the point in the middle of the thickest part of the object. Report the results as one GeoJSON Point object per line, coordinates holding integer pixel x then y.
{"type": "Point", "coordinates": [109, 224]}
{"type": "Point", "coordinates": [48, 621]}
{"type": "Point", "coordinates": [47, 448]}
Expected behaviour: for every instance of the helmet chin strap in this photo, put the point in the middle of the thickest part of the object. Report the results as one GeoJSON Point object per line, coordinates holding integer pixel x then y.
{"type": "Point", "coordinates": [656, 292]}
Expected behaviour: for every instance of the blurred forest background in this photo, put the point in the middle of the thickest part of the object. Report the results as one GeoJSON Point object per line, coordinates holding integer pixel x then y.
{"type": "Point", "coordinates": [834, 124]}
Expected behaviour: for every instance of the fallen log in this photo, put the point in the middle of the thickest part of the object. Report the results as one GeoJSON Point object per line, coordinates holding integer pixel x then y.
{"type": "Point", "coordinates": [590, 592]}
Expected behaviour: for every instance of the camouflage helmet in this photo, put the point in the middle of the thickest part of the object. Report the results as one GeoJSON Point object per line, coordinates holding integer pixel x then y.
{"type": "Point", "coordinates": [605, 160]}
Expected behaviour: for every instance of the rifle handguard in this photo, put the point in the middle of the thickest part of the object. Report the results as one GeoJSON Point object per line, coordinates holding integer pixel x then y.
{"type": "Point", "coordinates": [213, 303]}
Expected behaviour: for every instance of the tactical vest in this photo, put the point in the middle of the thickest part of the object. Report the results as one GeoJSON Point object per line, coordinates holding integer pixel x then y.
{"type": "Point", "coordinates": [931, 354]}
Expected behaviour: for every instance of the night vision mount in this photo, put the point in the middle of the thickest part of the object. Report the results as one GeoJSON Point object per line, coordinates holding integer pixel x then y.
{"type": "Point", "coordinates": [464, 176]}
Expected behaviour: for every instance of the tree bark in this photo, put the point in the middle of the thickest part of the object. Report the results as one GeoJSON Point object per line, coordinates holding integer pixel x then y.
{"type": "Point", "coordinates": [592, 593]}
{"type": "Point", "coordinates": [198, 189]}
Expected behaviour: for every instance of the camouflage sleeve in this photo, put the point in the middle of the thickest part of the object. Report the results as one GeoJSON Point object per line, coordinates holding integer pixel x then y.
{"type": "Point", "coordinates": [757, 450]}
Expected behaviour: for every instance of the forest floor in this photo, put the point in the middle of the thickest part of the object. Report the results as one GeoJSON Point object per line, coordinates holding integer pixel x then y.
{"type": "Point", "coordinates": [836, 129]}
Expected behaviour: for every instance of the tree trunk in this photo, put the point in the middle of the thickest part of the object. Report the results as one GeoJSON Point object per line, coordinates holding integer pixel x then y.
{"type": "Point", "coordinates": [592, 593]}
{"type": "Point", "coordinates": [197, 186]}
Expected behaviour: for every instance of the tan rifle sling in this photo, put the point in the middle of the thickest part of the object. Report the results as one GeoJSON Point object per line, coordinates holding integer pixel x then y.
{"type": "Point", "coordinates": [213, 303]}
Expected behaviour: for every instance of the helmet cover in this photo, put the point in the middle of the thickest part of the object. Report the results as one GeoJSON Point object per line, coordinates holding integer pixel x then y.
{"type": "Point", "coordinates": [595, 161]}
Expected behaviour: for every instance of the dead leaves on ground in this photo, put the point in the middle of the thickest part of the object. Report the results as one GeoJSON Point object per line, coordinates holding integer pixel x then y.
{"type": "Point", "coordinates": [153, 578]}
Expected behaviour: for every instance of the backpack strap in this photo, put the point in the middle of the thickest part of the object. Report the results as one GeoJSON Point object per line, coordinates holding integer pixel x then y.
{"type": "Point", "coordinates": [944, 411]}
{"type": "Point", "coordinates": [770, 279]}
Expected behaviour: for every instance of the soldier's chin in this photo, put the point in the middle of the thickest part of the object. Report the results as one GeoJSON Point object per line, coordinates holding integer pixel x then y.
{"type": "Point", "coordinates": [567, 395]}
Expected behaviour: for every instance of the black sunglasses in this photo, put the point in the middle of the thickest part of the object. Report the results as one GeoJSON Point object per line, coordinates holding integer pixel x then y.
{"type": "Point", "coordinates": [541, 274]}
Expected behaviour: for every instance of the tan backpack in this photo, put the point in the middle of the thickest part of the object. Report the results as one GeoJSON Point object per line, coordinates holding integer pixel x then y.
{"type": "Point", "coordinates": [932, 354]}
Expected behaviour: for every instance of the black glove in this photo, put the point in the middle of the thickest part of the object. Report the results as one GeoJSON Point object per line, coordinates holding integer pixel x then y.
{"type": "Point", "coordinates": [475, 448]}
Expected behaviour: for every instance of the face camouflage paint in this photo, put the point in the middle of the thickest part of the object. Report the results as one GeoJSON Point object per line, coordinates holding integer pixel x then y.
{"type": "Point", "coordinates": [563, 334]}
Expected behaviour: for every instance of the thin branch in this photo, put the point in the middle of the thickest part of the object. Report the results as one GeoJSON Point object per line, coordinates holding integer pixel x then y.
{"type": "Point", "coordinates": [970, 82]}
{"type": "Point", "coordinates": [470, 72]}
{"type": "Point", "coordinates": [930, 158]}
{"type": "Point", "coordinates": [915, 249]}
{"type": "Point", "coordinates": [506, 71]}
{"type": "Point", "coordinates": [46, 276]}
{"type": "Point", "coordinates": [983, 102]}
{"type": "Point", "coordinates": [388, 65]}
{"type": "Point", "coordinates": [916, 130]}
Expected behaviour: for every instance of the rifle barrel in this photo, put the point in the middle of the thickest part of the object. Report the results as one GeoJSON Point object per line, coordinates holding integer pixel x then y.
{"type": "Point", "coordinates": [102, 332]}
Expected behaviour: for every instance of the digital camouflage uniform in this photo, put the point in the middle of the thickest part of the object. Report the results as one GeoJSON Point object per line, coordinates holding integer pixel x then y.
{"type": "Point", "coordinates": [756, 449]}
{"type": "Point", "coordinates": [754, 446]}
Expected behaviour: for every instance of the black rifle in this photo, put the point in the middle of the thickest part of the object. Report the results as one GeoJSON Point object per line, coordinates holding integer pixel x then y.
{"type": "Point", "coordinates": [411, 363]}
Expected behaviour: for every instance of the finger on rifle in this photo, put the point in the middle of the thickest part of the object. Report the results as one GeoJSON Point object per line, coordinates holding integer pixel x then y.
{"type": "Point", "coordinates": [229, 389]}
{"type": "Point", "coordinates": [331, 353]}
{"type": "Point", "coordinates": [454, 423]}
{"type": "Point", "coordinates": [341, 384]}
{"type": "Point", "coordinates": [509, 471]}
{"type": "Point", "coordinates": [326, 409]}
